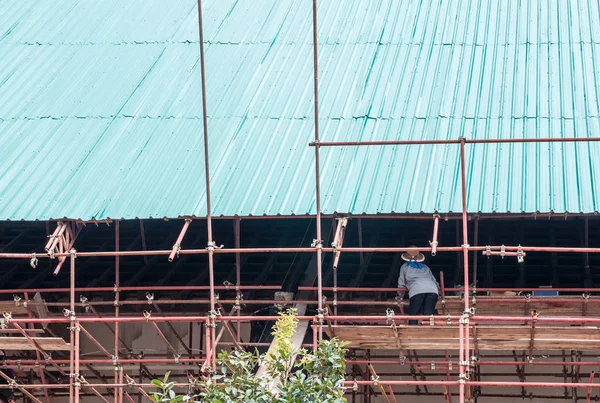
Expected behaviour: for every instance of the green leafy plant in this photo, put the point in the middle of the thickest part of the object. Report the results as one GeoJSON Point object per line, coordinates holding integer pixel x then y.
{"type": "Point", "coordinates": [291, 375]}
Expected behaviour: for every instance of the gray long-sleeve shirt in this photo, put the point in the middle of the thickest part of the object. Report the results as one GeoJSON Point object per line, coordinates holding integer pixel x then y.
{"type": "Point", "coordinates": [418, 279]}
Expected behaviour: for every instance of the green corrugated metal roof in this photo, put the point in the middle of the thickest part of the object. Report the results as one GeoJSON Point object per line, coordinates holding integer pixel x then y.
{"type": "Point", "coordinates": [100, 113]}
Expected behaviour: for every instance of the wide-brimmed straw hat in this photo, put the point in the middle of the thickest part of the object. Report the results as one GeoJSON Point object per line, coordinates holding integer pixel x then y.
{"type": "Point", "coordinates": [412, 254]}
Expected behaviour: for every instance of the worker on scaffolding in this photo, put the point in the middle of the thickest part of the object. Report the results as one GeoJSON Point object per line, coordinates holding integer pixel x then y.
{"type": "Point", "coordinates": [417, 278]}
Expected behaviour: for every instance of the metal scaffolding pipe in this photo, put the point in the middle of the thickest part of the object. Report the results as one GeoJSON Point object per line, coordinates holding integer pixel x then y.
{"type": "Point", "coordinates": [434, 242]}
{"type": "Point", "coordinates": [118, 393]}
{"type": "Point", "coordinates": [350, 318]}
{"type": "Point", "coordinates": [534, 384]}
{"type": "Point", "coordinates": [177, 245]}
{"type": "Point", "coordinates": [211, 244]}
{"type": "Point", "coordinates": [454, 141]}
{"type": "Point", "coordinates": [307, 250]}
{"type": "Point", "coordinates": [318, 243]}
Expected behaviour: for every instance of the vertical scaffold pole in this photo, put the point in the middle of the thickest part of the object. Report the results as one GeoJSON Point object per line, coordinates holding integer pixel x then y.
{"type": "Point", "coordinates": [318, 243]}
{"type": "Point", "coordinates": [211, 244]}
{"type": "Point", "coordinates": [466, 315]}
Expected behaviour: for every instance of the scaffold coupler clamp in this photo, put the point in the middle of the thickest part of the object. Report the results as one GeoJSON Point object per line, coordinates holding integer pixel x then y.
{"type": "Point", "coordinates": [433, 245]}
{"type": "Point", "coordinates": [375, 380]}
{"type": "Point", "coordinates": [82, 380]}
{"type": "Point", "coordinates": [85, 304]}
{"type": "Point", "coordinates": [389, 315]}
{"type": "Point", "coordinates": [212, 318]}
{"type": "Point", "coordinates": [586, 297]}
{"type": "Point", "coordinates": [449, 365]}
{"type": "Point", "coordinates": [115, 361]}
{"type": "Point", "coordinates": [502, 251]}
{"type": "Point", "coordinates": [227, 285]}
{"type": "Point", "coordinates": [488, 251]}
{"type": "Point", "coordinates": [7, 317]}
{"type": "Point", "coordinates": [129, 380]}
{"type": "Point", "coordinates": [239, 297]}
{"type": "Point", "coordinates": [355, 385]}
{"type": "Point", "coordinates": [76, 379]}
{"type": "Point", "coordinates": [433, 365]}
{"type": "Point", "coordinates": [334, 247]}
{"type": "Point", "coordinates": [18, 300]}
{"type": "Point", "coordinates": [212, 246]}
{"type": "Point", "coordinates": [176, 358]}
{"type": "Point", "coordinates": [321, 315]}
{"type": "Point", "coordinates": [150, 298]}
{"type": "Point", "coordinates": [34, 261]}
{"type": "Point", "coordinates": [520, 254]}
{"type": "Point", "coordinates": [147, 315]}
{"type": "Point", "coordinates": [316, 243]}
{"type": "Point", "coordinates": [431, 320]}
{"type": "Point", "coordinates": [449, 320]}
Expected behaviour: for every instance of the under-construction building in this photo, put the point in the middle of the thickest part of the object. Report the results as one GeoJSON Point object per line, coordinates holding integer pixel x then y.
{"type": "Point", "coordinates": [175, 172]}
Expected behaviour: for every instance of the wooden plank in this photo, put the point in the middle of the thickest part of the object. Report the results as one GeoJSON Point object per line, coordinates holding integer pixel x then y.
{"type": "Point", "coordinates": [17, 331]}
{"type": "Point", "coordinates": [516, 306]}
{"type": "Point", "coordinates": [489, 338]}
{"type": "Point", "coordinates": [6, 306]}
{"type": "Point", "coordinates": [41, 308]}
{"type": "Point", "coordinates": [21, 343]}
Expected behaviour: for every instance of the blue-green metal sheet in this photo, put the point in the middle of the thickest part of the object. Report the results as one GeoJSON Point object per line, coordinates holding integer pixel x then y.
{"type": "Point", "coordinates": [101, 117]}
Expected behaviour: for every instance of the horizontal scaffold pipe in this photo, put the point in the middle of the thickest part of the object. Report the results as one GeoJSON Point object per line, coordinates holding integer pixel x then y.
{"type": "Point", "coordinates": [453, 141]}
{"type": "Point", "coordinates": [481, 299]}
{"type": "Point", "coordinates": [181, 361]}
{"type": "Point", "coordinates": [148, 288]}
{"type": "Point", "coordinates": [538, 319]}
{"type": "Point", "coordinates": [346, 383]}
{"type": "Point", "coordinates": [534, 384]}
{"type": "Point", "coordinates": [376, 289]}
{"type": "Point", "coordinates": [442, 320]}
{"type": "Point", "coordinates": [305, 250]}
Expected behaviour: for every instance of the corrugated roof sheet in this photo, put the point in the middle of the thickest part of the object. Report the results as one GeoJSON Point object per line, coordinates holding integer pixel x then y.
{"type": "Point", "coordinates": [100, 112]}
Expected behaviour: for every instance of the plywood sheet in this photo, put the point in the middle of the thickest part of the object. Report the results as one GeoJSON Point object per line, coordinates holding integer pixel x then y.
{"type": "Point", "coordinates": [21, 343]}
